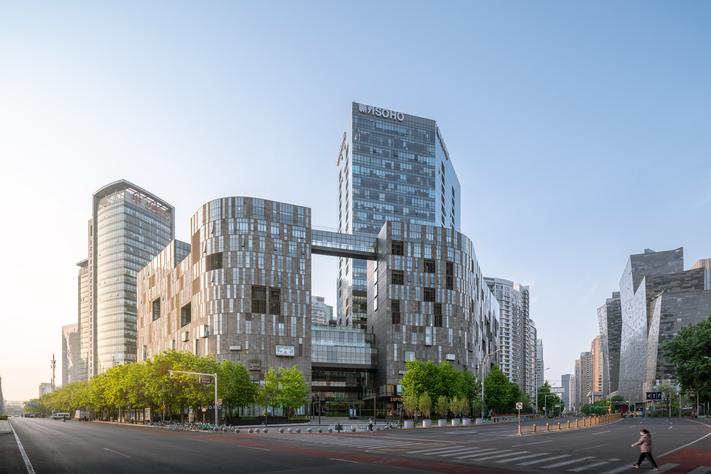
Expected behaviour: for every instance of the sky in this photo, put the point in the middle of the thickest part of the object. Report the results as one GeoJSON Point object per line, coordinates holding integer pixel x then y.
{"type": "Point", "coordinates": [580, 133]}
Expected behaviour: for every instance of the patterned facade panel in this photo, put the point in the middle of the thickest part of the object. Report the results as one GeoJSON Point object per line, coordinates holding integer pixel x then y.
{"type": "Point", "coordinates": [242, 292]}
{"type": "Point", "coordinates": [428, 301]}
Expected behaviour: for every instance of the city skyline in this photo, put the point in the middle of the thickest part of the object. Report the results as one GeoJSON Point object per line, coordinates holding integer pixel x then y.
{"type": "Point", "coordinates": [587, 191]}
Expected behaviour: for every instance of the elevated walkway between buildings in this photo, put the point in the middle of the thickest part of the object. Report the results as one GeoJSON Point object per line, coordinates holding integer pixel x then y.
{"type": "Point", "coordinates": [336, 244]}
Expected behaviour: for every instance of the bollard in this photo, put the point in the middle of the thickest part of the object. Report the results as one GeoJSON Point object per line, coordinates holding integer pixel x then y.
{"type": "Point", "coordinates": [576, 424]}
{"type": "Point", "coordinates": [534, 427]}
{"type": "Point", "coordinates": [281, 430]}
{"type": "Point", "coordinates": [265, 430]}
{"type": "Point", "coordinates": [559, 426]}
{"type": "Point", "coordinates": [548, 428]}
{"type": "Point", "coordinates": [568, 424]}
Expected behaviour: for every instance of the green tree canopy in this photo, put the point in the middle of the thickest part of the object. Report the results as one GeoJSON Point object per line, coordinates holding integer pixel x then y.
{"type": "Point", "coordinates": [690, 352]}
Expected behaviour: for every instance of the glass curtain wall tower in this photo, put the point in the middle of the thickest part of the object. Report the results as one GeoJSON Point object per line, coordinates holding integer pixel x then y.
{"type": "Point", "coordinates": [391, 167]}
{"type": "Point", "coordinates": [130, 227]}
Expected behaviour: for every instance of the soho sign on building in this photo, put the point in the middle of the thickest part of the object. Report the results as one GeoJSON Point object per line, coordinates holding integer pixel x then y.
{"type": "Point", "coordinates": [378, 112]}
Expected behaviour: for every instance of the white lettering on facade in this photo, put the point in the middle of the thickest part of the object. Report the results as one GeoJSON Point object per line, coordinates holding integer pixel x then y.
{"type": "Point", "coordinates": [379, 112]}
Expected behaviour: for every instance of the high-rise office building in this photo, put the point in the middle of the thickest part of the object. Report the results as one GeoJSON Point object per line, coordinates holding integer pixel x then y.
{"type": "Point", "coordinates": [2, 400]}
{"type": "Point", "coordinates": [540, 376]}
{"type": "Point", "coordinates": [517, 334]}
{"type": "Point", "coordinates": [321, 313]}
{"type": "Point", "coordinates": [85, 323]}
{"type": "Point", "coordinates": [596, 367]}
{"type": "Point", "coordinates": [583, 378]}
{"type": "Point", "coordinates": [70, 354]}
{"type": "Point", "coordinates": [576, 382]}
{"type": "Point", "coordinates": [45, 388]}
{"type": "Point", "coordinates": [128, 228]}
{"type": "Point", "coordinates": [610, 322]}
{"type": "Point", "coordinates": [391, 167]}
{"type": "Point", "coordinates": [565, 381]}
{"type": "Point", "coordinates": [658, 298]}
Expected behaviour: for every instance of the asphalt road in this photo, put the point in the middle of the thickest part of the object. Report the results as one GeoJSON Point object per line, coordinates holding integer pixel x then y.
{"type": "Point", "coordinates": [54, 446]}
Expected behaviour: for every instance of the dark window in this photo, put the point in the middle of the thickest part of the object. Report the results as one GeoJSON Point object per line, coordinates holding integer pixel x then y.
{"type": "Point", "coordinates": [397, 247]}
{"type": "Point", "coordinates": [429, 265]}
{"type": "Point", "coordinates": [438, 315]}
{"type": "Point", "coordinates": [259, 299]}
{"type": "Point", "coordinates": [186, 315]}
{"type": "Point", "coordinates": [395, 310]}
{"type": "Point", "coordinates": [429, 294]}
{"type": "Point", "coordinates": [275, 301]}
{"type": "Point", "coordinates": [155, 310]}
{"type": "Point", "coordinates": [449, 279]}
{"type": "Point", "coordinates": [397, 277]}
{"type": "Point", "coordinates": [214, 261]}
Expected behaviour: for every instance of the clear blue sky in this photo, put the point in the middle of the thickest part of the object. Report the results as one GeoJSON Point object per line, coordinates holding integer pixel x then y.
{"type": "Point", "coordinates": [580, 132]}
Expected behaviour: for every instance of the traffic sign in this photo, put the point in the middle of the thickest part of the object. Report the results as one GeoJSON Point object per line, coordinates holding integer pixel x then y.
{"type": "Point", "coordinates": [519, 405]}
{"type": "Point", "coordinates": [205, 379]}
{"type": "Point", "coordinates": [655, 396]}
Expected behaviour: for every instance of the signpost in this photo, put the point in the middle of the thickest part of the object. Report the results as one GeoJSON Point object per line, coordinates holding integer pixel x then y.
{"type": "Point", "coordinates": [204, 379]}
{"type": "Point", "coordinates": [519, 406]}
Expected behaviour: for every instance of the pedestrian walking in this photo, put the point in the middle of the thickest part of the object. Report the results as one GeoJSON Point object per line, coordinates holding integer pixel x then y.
{"type": "Point", "coordinates": [645, 449]}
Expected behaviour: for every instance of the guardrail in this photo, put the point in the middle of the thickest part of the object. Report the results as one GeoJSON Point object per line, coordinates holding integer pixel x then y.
{"type": "Point", "coordinates": [579, 423]}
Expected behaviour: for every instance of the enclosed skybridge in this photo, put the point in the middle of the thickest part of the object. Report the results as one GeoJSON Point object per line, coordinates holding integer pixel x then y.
{"type": "Point", "coordinates": [336, 244]}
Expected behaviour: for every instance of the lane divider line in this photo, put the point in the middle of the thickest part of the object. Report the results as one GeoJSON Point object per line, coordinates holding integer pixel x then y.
{"type": "Point", "coordinates": [116, 452]}
{"type": "Point", "coordinates": [25, 458]}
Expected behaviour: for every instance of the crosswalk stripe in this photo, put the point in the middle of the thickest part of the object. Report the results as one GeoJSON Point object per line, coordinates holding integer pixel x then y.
{"type": "Point", "coordinates": [528, 463]}
{"type": "Point", "coordinates": [496, 456]}
{"type": "Point", "coordinates": [565, 463]}
{"type": "Point", "coordinates": [455, 451]}
{"type": "Point", "coordinates": [527, 456]}
{"type": "Point", "coordinates": [667, 466]}
{"type": "Point", "coordinates": [589, 466]}
{"type": "Point", "coordinates": [700, 470]}
{"type": "Point", "coordinates": [477, 452]}
{"type": "Point", "coordinates": [432, 450]}
{"type": "Point", "coordinates": [617, 470]}
{"type": "Point", "coordinates": [482, 452]}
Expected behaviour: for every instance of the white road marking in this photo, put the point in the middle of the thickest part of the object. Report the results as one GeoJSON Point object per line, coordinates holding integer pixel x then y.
{"type": "Point", "coordinates": [589, 466]}
{"type": "Point", "coordinates": [477, 452]}
{"type": "Point", "coordinates": [28, 464]}
{"type": "Point", "coordinates": [459, 451]}
{"type": "Point", "coordinates": [116, 452]}
{"type": "Point", "coordinates": [590, 447]}
{"type": "Point", "coordinates": [687, 444]}
{"type": "Point", "coordinates": [600, 432]}
{"type": "Point", "coordinates": [437, 450]}
{"type": "Point", "coordinates": [343, 460]}
{"type": "Point", "coordinates": [617, 470]}
{"type": "Point", "coordinates": [527, 456]}
{"type": "Point", "coordinates": [565, 463]}
{"type": "Point", "coordinates": [254, 447]}
{"type": "Point", "coordinates": [700, 470]}
{"type": "Point", "coordinates": [528, 463]}
{"type": "Point", "coordinates": [666, 467]}
{"type": "Point", "coordinates": [529, 444]}
{"type": "Point", "coordinates": [496, 456]}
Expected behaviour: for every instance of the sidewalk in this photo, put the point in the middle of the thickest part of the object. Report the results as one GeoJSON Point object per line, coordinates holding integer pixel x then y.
{"type": "Point", "coordinates": [5, 427]}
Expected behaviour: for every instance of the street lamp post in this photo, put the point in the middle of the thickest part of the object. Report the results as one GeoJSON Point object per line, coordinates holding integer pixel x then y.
{"type": "Point", "coordinates": [538, 386]}
{"type": "Point", "coordinates": [214, 376]}
{"type": "Point", "coordinates": [486, 358]}
{"type": "Point", "coordinates": [545, 403]}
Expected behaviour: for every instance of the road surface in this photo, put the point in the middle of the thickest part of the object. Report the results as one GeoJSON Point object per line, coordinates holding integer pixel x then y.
{"type": "Point", "coordinates": [54, 446]}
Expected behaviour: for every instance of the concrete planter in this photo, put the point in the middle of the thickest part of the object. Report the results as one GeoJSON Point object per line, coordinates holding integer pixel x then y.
{"type": "Point", "coordinates": [466, 421]}
{"type": "Point", "coordinates": [456, 422]}
{"type": "Point", "coordinates": [441, 423]}
{"type": "Point", "coordinates": [427, 423]}
{"type": "Point", "coordinates": [408, 424]}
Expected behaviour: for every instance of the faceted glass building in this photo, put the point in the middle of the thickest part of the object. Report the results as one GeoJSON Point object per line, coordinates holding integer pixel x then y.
{"type": "Point", "coordinates": [84, 320]}
{"type": "Point", "coordinates": [130, 226]}
{"type": "Point", "coordinates": [70, 354]}
{"type": "Point", "coordinates": [610, 321]}
{"type": "Point", "coordinates": [391, 167]}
